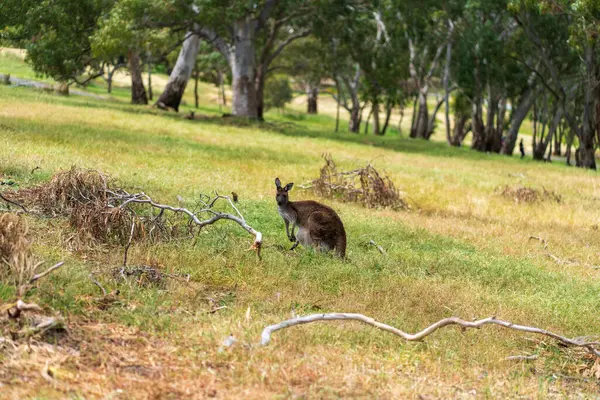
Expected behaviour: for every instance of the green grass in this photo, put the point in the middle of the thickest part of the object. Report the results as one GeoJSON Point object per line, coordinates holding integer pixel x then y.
{"type": "Point", "coordinates": [463, 251]}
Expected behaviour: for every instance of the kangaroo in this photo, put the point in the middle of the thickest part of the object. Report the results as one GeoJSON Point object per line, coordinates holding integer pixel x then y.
{"type": "Point", "coordinates": [318, 225]}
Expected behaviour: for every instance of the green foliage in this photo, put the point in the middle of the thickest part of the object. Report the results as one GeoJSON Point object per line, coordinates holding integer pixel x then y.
{"type": "Point", "coordinates": [211, 65]}
{"type": "Point", "coordinates": [278, 92]}
{"type": "Point", "coordinates": [55, 33]}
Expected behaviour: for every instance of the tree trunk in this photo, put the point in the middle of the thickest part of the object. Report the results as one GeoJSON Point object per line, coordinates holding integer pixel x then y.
{"type": "Point", "coordinates": [477, 126]}
{"type": "Point", "coordinates": [196, 78]}
{"type": "Point", "coordinates": [414, 117]}
{"type": "Point", "coordinates": [312, 94]}
{"type": "Point", "coordinates": [388, 113]}
{"type": "Point", "coordinates": [243, 69]}
{"type": "Point", "coordinates": [376, 127]}
{"type": "Point", "coordinates": [109, 82]}
{"type": "Point", "coordinates": [368, 120]}
{"type": "Point", "coordinates": [558, 140]}
{"type": "Point", "coordinates": [354, 123]}
{"type": "Point", "coordinates": [540, 149]}
{"type": "Point", "coordinates": [420, 128]}
{"type": "Point", "coordinates": [432, 118]}
{"type": "Point", "coordinates": [497, 140]}
{"type": "Point", "coordinates": [337, 118]}
{"type": "Point", "coordinates": [569, 146]}
{"type": "Point", "coordinates": [260, 93]}
{"type": "Point", "coordinates": [222, 85]}
{"type": "Point", "coordinates": [150, 92]}
{"type": "Point", "coordinates": [459, 131]}
{"type": "Point", "coordinates": [586, 148]}
{"type": "Point", "coordinates": [138, 92]}
{"type": "Point", "coordinates": [179, 77]}
{"type": "Point", "coordinates": [518, 116]}
{"type": "Point", "coordinates": [447, 89]}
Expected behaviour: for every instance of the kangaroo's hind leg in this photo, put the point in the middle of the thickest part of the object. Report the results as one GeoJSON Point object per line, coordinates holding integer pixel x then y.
{"type": "Point", "coordinates": [321, 237]}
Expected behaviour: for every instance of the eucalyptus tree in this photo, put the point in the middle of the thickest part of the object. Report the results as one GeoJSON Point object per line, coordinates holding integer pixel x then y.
{"type": "Point", "coordinates": [116, 38]}
{"type": "Point", "coordinates": [56, 35]}
{"type": "Point", "coordinates": [577, 21]}
{"type": "Point", "coordinates": [250, 35]}
{"type": "Point", "coordinates": [306, 61]}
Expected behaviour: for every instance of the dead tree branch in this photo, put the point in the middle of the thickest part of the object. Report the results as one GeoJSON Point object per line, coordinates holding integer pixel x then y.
{"type": "Point", "coordinates": [15, 310]}
{"type": "Point", "coordinates": [48, 271]}
{"type": "Point", "coordinates": [522, 358]}
{"type": "Point", "coordinates": [95, 282]}
{"type": "Point", "coordinates": [210, 215]}
{"type": "Point", "coordinates": [14, 203]}
{"type": "Point", "coordinates": [560, 260]}
{"type": "Point", "coordinates": [266, 334]}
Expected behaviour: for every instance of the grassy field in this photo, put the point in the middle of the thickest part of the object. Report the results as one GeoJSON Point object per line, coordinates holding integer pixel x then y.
{"type": "Point", "coordinates": [463, 250]}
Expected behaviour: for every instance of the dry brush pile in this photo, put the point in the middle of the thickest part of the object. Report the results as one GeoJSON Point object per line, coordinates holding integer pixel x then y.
{"type": "Point", "coordinates": [100, 211]}
{"type": "Point", "coordinates": [365, 186]}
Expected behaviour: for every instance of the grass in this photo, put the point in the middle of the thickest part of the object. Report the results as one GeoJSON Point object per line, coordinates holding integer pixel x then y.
{"type": "Point", "coordinates": [463, 251]}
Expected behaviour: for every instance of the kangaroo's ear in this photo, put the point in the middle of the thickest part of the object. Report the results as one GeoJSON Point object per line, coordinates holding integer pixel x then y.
{"type": "Point", "coordinates": [277, 183]}
{"type": "Point", "coordinates": [288, 187]}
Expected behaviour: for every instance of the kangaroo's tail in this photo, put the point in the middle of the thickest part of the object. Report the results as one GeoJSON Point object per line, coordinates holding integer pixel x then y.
{"type": "Point", "coordinates": [340, 245]}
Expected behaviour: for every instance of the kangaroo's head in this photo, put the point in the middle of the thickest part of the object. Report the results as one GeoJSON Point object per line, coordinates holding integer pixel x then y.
{"type": "Point", "coordinates": [282, 193]}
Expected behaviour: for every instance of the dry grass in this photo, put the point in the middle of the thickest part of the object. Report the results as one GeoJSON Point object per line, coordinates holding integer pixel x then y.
{"type": "Point", "coordinates": [17, 262]}
{"type": "Point", "coordinates": [522, 194]}
{"type": "Point", "coordinates": [365, 186]}
{"type": "Point", "coordinates": [464, 253]}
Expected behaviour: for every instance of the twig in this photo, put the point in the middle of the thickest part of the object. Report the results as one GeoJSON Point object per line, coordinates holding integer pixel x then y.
{"type": "Point", "coordinates": [15, 310]}
{"type": "Point", "coordinates": [214, 310]}
{"type": "Point", "coordinates": [14, 203]}
{"type": "Point", "coordinates": [129, 242]}
{"type": "Point", "coordinates": [48, 271]}
{"type": "Point", "coordinates": [522, 358]}
{"type": "Point", "coordinates": [46, 372]}
{"type": "Point", "coordinates": [381, 250]}
{"type": "Point", "coordinates": [266, 334]}
{"type": "Point", "coordinates": [542, 240]}
{"type": "Point", "coordinates": [104, 292]}
{"type": "Point", "coordinates": [560, 260]}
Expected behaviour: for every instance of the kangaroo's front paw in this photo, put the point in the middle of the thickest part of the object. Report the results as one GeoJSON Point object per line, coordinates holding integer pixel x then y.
{"type": "Point", "coordinates": [294, 246]}
{"type": "Point", "coordinates": [292, 238]}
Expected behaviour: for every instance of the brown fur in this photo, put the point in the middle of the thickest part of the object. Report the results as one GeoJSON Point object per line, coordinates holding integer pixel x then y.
{"type": "Point", "coordinates": [319, 226]}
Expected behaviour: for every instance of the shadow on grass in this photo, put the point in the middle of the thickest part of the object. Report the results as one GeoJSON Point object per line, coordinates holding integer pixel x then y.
{"type": "Point", "coordinates": [281, 124]}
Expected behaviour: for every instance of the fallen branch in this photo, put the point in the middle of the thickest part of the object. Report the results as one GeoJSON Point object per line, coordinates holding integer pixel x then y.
{"type": "Point", "coordinates": [104, 292]}
{"type": "Point", "coordinates": [266, 333]}
{"type": "Point", "coordinates": [15, 310]}
{"type": "Point", "coordinates": [14, 203]}
{"type": "Point", "coordinates": [48, 271]}
{"type": "Point", "coordinates": [522, 358]}
{"type": "Point", "coordinates": [560, 260]}
{"type": "Point", "coordinates": [141, 198]}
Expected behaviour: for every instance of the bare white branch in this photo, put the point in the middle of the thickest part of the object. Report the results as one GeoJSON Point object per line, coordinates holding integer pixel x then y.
{"type": "Point", "coordinates": [266, 334]}
{"type": "Point", "coordinates": [98, 284]}
{"type": "Point", "coordinates": [522, 358]}
{"type": "Point", "coordinates": [381, 250]}
{"type": "Point", "coordinates": [142, 198]}
{"type": "Point", "coordinates": [48, 271]}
